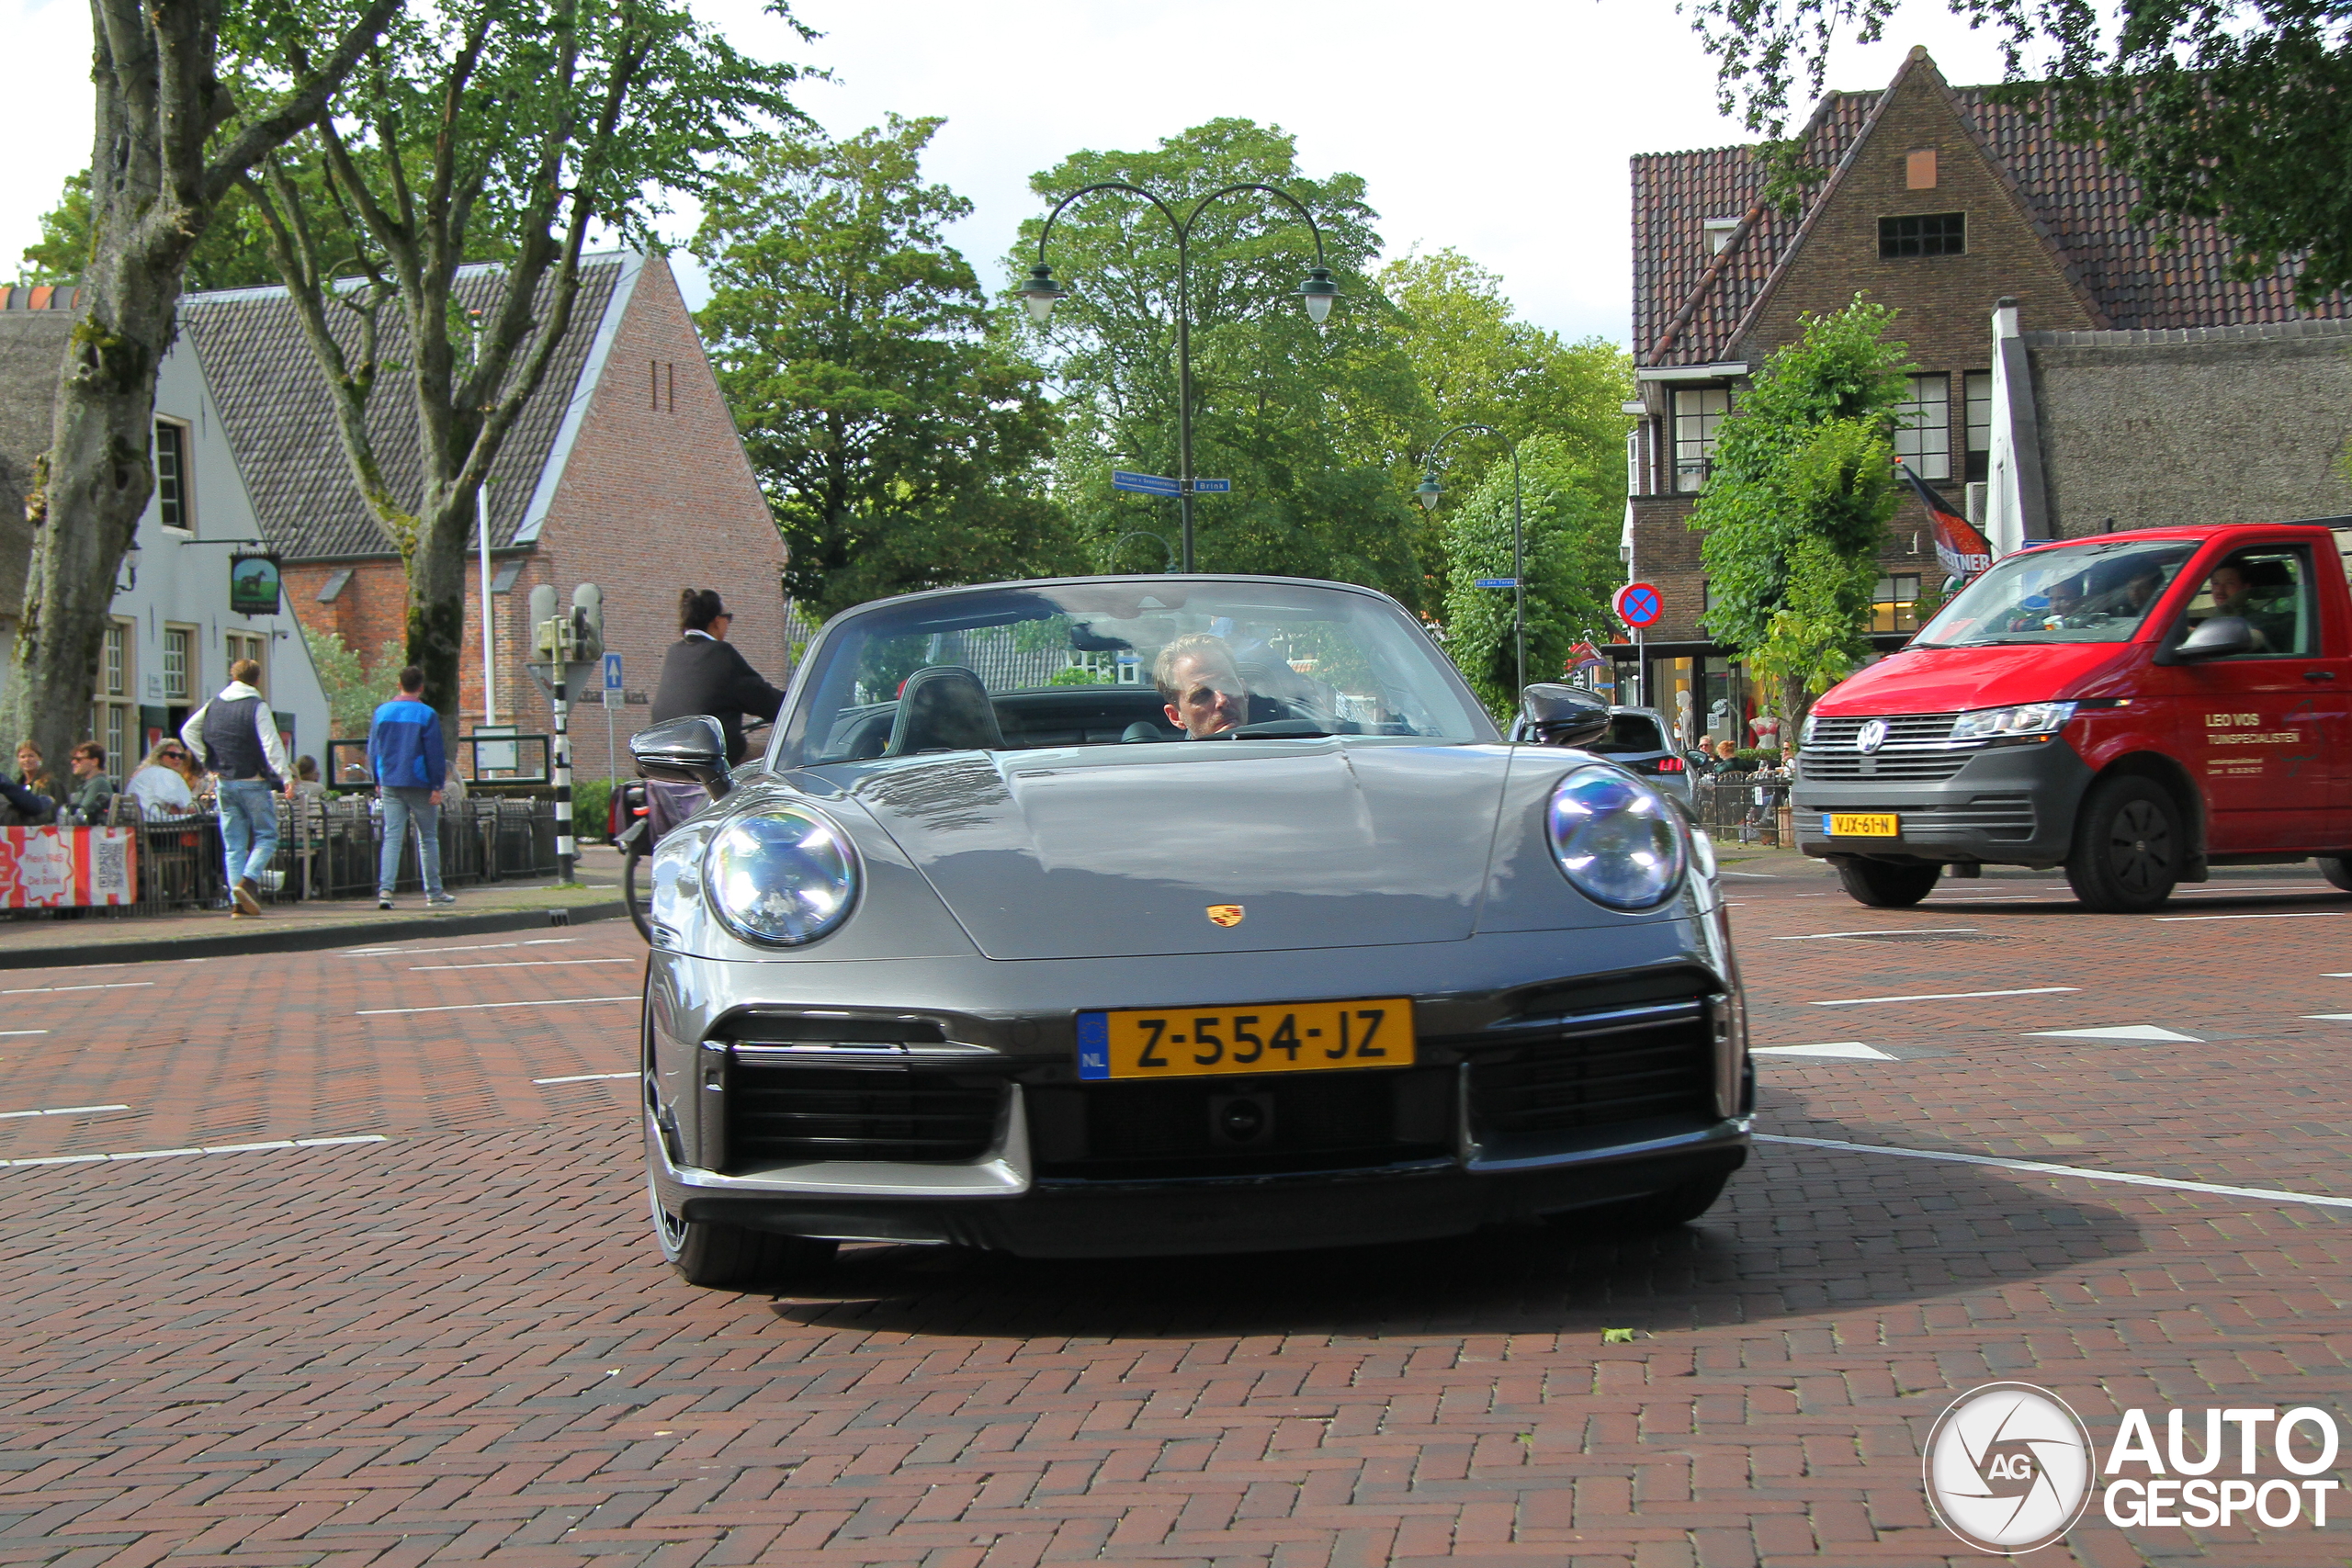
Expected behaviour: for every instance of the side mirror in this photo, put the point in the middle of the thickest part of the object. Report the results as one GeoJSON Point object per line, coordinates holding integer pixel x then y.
{"type": "Point", "coordinates": [2220, 637]}
{"type": "Point", "coordinates": [1559, 714]}
{"type": "Point", "coordinates": [684, 750]}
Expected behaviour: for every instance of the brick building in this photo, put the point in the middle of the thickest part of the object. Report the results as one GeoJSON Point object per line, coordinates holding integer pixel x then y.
{"type": "Point", "coordinates": [625, 470]}
{"type": "Point", "coordinates": [2041, 322]}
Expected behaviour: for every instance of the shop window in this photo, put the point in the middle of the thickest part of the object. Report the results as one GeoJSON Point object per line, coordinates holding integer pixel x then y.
{"type": "Point", "coordinates": [1929, 234]}
{"type": "Point", "coordinates": [113, 708]}
{"type": "Point", "coordinates": [1895, 605]}
{"type": "Point", "coordinates": [1923, 427]}
{"type": "Point", "coordinates": [171, 475]}
{"type": "Point", "coordinates": [239, 645]}
{"type": "Point", "coordinates": [1699, 414]}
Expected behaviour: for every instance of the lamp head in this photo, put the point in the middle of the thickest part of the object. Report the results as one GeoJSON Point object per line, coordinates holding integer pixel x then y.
{"type": "Point", "coordinates": [1427, 492]}
{"type": "Point", "coordinates": [1319, 291]}
{"type": "Point", "coordinates": [1041, 294]}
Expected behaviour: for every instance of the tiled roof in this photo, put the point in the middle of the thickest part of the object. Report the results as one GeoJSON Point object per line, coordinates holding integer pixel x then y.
{"type": "Point", "coordinates": [280, 423]}
{"type": "Point", "coordinates": [2082, 203]}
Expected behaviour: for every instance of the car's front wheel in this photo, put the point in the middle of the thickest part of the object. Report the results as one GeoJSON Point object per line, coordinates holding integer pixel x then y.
{"type": "Point", "coordinates": [2129, 848]}
{"type": "Point", "coordinates": [723, 1256]}
{"type": "Point", "coordinates": [2337, 869]}
{"type": "Point", "coordinates": [1884, 887]}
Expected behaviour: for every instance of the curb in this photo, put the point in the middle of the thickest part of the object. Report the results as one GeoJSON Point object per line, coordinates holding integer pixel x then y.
{"type": "Point", "coordinates": [359, 934]}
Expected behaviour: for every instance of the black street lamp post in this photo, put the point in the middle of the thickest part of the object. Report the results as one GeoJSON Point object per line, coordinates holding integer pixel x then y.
{"type": "Point", "coordinates": [1041, 293]}
{"type": "Point", "coordinates": [1429, 491]}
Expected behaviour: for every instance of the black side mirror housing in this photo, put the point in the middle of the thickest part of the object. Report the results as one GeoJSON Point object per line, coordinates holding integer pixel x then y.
{"type": "Point", "coordinates": [684, 750]}
{"type": "Point", "coordinates": [2220, 637]}
{"type": "Point", "coordinates": [1555, 713]}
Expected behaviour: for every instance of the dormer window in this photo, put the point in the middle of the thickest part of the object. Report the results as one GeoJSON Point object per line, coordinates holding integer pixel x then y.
{"type": "Point", "coordinates": [1719, 231]}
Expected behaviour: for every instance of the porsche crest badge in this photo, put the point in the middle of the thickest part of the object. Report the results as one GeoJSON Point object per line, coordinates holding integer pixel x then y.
{"type": "Point", "coordinates": [1225, 914]}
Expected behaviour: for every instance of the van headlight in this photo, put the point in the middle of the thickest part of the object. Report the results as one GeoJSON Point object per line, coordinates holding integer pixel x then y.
{"type": "Point", "coordinates": [1615, 839]}
{"type": "Point", "coordinates": [2033, 718]}
{"type": "Point", "coordinates": [781, 876]}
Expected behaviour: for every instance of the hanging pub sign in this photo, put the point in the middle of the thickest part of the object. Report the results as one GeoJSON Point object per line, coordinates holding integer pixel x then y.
{"type": "Point", "coordinates": [252, 585]}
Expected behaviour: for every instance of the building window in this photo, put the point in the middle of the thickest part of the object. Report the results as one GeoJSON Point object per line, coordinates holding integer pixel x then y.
{"type": "Point", "coordinates": [1698, 415]}
{"type": "Point", "coordinates": [1895, 605]}
{"type": "Point", "coordinates": [171, 474]}
{"type": "Point", "coordinates": [1930, 234]}
{"type": "Point", "coordinates": [179, 663]}
{"type": "Point", "coordinates": [114, 713]}
{"type": "Point", "coordinates": [256, 647]}
{"type": "Point", "coordinates": [1978, 388]}
{"type": "Point", "coordinates": [1923, 427]}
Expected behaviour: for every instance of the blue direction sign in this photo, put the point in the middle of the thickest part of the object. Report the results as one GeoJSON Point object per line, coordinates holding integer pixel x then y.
{"type": "Point", "coordinates": [1495, 582]}
{"type": "Point", "coordinates": [612, 672]}
{"type": "Point", "coordinates": [1147, 484]}
{"type": "Point", "coordinates": [1212, 487]}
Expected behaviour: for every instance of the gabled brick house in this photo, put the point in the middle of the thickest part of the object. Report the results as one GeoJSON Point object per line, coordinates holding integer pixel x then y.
{"type": "Point", "coordinates": [625, 470]}
{"type": "Point", "coordinates": [1945, 204]}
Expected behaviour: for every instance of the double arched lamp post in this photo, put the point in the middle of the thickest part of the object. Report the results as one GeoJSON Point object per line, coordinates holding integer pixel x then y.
{"type": "Point", "coordinates": [1429, 492]}
{"type": "Point", "coordinates": [1041, 293]}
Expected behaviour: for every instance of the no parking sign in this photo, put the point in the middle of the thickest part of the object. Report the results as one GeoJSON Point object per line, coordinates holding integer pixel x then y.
{"type": "Point", "coordinates": [1638, 604]}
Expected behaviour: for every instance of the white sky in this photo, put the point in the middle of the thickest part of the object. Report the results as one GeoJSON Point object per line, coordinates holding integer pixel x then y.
{"type": "Point", "coordinates": [1500, 128]}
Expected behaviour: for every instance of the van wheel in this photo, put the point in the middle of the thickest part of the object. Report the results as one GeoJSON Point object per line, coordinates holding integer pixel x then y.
{"type": "Point", "coordinates": [1884, 887]}
{"type": "Point", "coordinates": [721, 1257]}
{"type": "Point", "coordinates": [2337, 869]}
{"type": "Point", "coordinates": [2129, 848]}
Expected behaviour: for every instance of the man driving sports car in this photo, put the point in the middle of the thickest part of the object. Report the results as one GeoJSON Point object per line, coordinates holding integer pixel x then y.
{"type": "Point", "coordinates": [1205, 692]}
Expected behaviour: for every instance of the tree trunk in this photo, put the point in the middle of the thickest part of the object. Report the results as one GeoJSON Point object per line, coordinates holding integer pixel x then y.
{"type": "Point", "coordinates": [437, 598]}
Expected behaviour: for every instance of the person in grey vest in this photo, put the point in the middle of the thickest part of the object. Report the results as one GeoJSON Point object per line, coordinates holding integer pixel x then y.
{"type": "Point", "coordinates": [236, 736]}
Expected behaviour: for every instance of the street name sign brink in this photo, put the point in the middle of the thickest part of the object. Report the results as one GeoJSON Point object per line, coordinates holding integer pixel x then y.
{"type": "Point", "coordinates": [1212, 487]}
{"type": "Point", "coordinates": [1147, 484]}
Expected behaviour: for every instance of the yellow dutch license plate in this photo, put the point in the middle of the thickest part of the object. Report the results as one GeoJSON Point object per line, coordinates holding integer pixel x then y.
{"type": "Point", "coordinates": [1266, 1037]}
{"type": "Point", "coordinates": [1859, 825]}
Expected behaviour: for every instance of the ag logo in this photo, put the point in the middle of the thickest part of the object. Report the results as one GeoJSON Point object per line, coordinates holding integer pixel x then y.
{"type": "Point", "coordinates": [2008, 1468]}
{"type": "Point", "coordinates": [1871, 737]}
{"type": "Point", "coordinates": [1225, 914]}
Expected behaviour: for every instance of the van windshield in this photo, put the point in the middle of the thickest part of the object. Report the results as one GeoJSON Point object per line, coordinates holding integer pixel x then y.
{"type": "Point", "coordinates": [2088, 593]}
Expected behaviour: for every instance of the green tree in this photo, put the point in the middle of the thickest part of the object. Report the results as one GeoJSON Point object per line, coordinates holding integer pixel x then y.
{"type": "Point", "coordinates": [1796, 506]}
{"type": "Point", "coordinates": [170, 139]}
{"type": "Point", "coordinates": [233, 253]}
{"type": "Point", "coordinates": [902, 442]}
{"type": "Point", "coordinates": [1570, 542]}
{"type": "Point", "coordinates": [2227, 110]}
{"type": "Point", "coordinates": [354, 687]}
{"type": "Point", "coordinates": [1293, 416]}
{"type": "Point", "coordinates": [509, 126]}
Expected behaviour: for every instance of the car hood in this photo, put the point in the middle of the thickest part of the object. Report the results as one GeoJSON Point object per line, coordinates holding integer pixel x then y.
{"type": "Point", "coordinates": [1947, 680]}
{"type": "Point", "coordinates": [1120, 852]}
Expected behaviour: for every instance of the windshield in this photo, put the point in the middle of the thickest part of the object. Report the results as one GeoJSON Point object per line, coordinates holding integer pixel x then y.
{"type": "Point", "coordinates": [1104, 664]}
{"type": "Point", "coordinates": [1629, 733]}
{"type": "Point", "coordinates": [2087, 593]}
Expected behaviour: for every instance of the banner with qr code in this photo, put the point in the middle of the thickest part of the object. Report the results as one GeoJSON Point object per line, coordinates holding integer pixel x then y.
{"type": "Point", "coordinates": [50, 868]}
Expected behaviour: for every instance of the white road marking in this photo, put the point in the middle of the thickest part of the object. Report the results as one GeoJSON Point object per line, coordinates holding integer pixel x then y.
{"type": "Point", "coordinates": [1910, 931]}
{"type": "Point", "coordinates": [486, 1007]}
{"type": "Point", "coordinates": [212, 1149]}
{"type": "Point", "coordinates": [1839, 1050]}
{"type": "Point", "coordinates": [515, 964]}
{"type": "Point", "coordinates": [2331, 1017]}
{"type": "Point", "coordinates": [108, 986]}
{"type": "Point", "coordinates": [2122, 1032]}
{"type": "Point", "coordinates": [586, 1077]}
{"type": "Point", "coordinates": [1944, 996]}
{"type": "Point", "coordinates": [1765, 875]}
{"type": "Point", "coordinates": [61, 1111]}
{"type": "Point", "coordinates": [467, 947]}
{"type": "Point", "coordinates": [2296, 915]}
{"type": "Point", "coordinates": [10, 1031]}
{"type": "Point", "coordinates": [2036, 1167]}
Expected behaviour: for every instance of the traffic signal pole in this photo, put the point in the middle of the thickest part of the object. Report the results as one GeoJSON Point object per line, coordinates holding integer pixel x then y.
{"type": "Point", "coordinates": [567, 851]}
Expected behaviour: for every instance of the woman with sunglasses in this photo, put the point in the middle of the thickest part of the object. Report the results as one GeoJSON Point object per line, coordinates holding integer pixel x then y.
{"type": "Point", "coordinates": [161, 784]}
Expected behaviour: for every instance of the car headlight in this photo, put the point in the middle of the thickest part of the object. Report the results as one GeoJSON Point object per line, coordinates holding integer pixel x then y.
{"type": "Point", "coordinates": [2031, 718]}
{"type": "Point", "coordinates": [783, 875]}
{"type": "Point", "coordinates": [1615, 838]}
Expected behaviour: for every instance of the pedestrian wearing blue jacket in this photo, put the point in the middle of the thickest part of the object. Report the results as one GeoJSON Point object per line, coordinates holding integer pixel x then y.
{"type": "Point", "coordinates": [405, 753]}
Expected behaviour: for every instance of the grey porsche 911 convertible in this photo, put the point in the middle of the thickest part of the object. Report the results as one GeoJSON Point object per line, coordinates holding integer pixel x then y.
{"type": "Point", "coordinates": [1154, 915]}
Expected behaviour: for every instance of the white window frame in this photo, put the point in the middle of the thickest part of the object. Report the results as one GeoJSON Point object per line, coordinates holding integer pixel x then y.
{"type": "Point", "coordinates": [191, 663]}
{"type": "Point", "coordinates": [1699, 414]}
{"type": "Point", "coordinates": [1923, 427]}
{"type": "Point", "coordinates": [114, 705]}
{"type": "Point", "coordinates": [175, 485]}
{"type": "Point", "coordinates": [249, 645]}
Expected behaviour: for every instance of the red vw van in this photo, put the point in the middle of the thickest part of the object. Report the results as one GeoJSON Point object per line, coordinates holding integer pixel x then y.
{"type": "Point", "coordinates": [2134, 708]}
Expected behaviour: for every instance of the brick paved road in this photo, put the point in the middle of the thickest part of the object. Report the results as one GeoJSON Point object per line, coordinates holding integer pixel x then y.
{"type": "Point", "coordinates": [457, 1342]}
